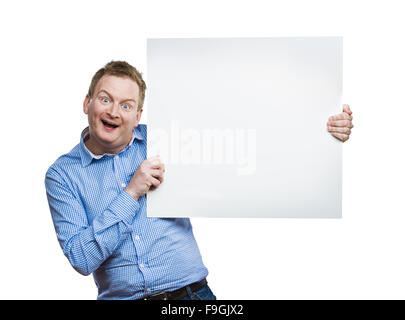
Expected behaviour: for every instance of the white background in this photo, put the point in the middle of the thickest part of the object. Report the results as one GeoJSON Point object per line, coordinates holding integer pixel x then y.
{"type": "Point", "coordinates": [50, 50]}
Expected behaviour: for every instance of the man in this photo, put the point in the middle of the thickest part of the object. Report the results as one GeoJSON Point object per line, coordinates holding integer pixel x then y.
{"type": "Point", "coordinates": [97, 197]}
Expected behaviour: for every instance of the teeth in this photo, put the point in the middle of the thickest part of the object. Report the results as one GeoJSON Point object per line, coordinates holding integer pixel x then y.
{"type": "Point", "coordinates": [109, 124]}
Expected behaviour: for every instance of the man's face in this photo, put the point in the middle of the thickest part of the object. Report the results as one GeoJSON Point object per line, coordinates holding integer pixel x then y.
{"type": "Point", "coordinates": [112, 114]}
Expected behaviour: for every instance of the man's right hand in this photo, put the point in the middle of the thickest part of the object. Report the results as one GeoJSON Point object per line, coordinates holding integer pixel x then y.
{"type": "Point", "coordinates": [148, 175]}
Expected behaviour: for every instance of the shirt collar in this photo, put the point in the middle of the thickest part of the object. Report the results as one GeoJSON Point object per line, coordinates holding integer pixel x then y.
{"type": "Point", "coordinates": [87, 156]}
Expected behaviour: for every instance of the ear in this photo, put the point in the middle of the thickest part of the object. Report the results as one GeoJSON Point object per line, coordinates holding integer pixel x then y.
{"type": "Point", "coordinates": [86, 103]}
{"type": "Point", "coordinates": [138, 117]}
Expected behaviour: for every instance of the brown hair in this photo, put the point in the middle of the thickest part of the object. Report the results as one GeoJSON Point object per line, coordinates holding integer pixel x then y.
{"type": "Point", "coordinates": [120, 69]}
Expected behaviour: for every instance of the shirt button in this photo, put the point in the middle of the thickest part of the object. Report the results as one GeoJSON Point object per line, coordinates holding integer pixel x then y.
{"type": "Point", "coordinates": [141, 265]}
{"type": "Point", "coordinates": [123, 185]}
{"type": "Point", "coordinates": [136, 237]}
{"type": "Point", "coordinates": [148, 289]}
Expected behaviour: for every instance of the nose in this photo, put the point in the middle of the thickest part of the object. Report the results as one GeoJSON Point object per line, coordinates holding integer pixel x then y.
{"type": "Point", "coordinates": [113, 111]}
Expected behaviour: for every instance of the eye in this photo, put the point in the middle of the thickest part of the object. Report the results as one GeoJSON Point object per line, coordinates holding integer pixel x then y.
{"type": "Point", "coordinates": [104, 99]}
{"type": "Point", "coordinates": [126, 106]}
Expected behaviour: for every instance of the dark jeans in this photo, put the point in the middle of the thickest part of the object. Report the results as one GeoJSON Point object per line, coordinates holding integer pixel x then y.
{"type": "Point", "coordinates": [204, 293]}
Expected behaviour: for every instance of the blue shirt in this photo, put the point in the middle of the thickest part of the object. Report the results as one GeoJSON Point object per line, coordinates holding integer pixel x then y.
{"type": "Point", "coordinates": [103, 230]}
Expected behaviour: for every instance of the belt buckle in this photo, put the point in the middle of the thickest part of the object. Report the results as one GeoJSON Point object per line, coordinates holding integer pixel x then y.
{"type": "Point", "coordinates": [156, 295]}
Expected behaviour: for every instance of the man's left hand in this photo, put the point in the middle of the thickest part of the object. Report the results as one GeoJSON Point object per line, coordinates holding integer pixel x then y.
{"type": "Point", "coordinates": [340, 125]}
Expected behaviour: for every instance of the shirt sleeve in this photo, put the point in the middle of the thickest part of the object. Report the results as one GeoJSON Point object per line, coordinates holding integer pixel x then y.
{"type": "Point", "coordinates": [87, 245]}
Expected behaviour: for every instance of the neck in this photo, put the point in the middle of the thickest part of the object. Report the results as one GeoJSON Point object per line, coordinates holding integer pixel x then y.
{"type": "Point", "coordinates": [99, 149]}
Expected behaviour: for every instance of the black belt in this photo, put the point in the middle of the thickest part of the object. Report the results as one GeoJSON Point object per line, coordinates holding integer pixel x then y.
{"type": "Point", "coordinates": [179, 293]}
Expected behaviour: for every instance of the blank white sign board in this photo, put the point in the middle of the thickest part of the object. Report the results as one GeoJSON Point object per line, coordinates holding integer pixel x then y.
{"type": "Point", "coordinates": [240, 124]}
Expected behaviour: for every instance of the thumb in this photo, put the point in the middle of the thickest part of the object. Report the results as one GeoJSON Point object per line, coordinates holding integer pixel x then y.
{"type": "Point", "coordinates": [346, 108]}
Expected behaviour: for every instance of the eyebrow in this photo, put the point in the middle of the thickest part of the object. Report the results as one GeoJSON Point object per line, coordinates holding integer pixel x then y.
{"type": "Point", "coordinates": [106, 92]}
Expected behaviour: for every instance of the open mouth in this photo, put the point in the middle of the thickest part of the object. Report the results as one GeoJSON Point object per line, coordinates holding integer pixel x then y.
{"type": "Point", "coordinates": [109, 124]}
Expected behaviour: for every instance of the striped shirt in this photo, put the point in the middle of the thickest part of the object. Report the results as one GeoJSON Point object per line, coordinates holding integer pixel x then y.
{"type": "Point", "coordinates": [103, 230]}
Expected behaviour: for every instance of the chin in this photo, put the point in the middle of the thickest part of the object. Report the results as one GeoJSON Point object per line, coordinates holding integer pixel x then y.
{"type": "Point", "coordinates": [114, 139]}
{"type": "Point", "coordinates": [107, 137]}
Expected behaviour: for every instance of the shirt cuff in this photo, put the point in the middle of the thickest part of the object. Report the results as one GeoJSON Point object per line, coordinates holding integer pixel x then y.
{"type": "Point", "coordinates": [125, 207]}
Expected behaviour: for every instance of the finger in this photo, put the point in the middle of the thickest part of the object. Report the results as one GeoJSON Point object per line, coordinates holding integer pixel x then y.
{"type": "Point", "coordinates": [158, 174]}
{"type": "Point", "coordinates": [155, 162]}
{"type": "Point", "coordinates": [340, 123]}
{"type": "Point", "coordinates": [155, 182]}
{"type": "Point", "coordinates": [340, 116]}
{"type": "Point", "coordinates": [346, 108]}
{"type": "Point", "coordinates": [150, 161]}
{"type": "Point", "coordinates": [341, 136]}
{"type": "Point", "coordinates": [344, 130]}
{"type": "Point", "coordinates": [146, 186]}
{"type": "Point", "coordinates": [157, 165]}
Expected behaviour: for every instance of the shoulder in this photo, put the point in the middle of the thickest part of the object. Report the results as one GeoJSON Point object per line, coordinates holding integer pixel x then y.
{"type": "Point", "coordinates": [65, 163]}
{"type": "Point", "coordinates": [141, 130]}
